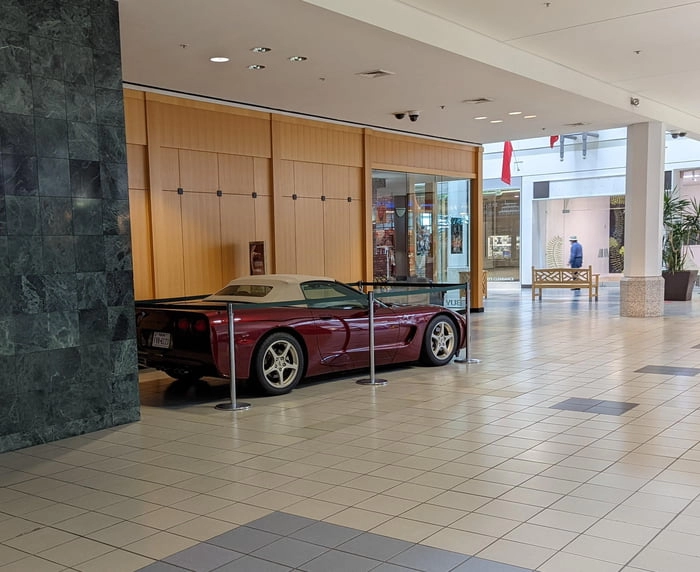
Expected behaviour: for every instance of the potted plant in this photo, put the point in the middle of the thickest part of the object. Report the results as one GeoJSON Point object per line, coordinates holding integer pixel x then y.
{"type": "Point", "coordinates": [681, 221]}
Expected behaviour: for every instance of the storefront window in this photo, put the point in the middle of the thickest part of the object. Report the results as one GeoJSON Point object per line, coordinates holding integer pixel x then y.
{"type": "Point", "coordinates": [421, 227]}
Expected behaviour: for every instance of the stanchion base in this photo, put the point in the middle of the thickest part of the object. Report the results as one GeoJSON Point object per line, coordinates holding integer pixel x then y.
{"type": "Point", "coordinates": [231, 407]}
{"type": "Point", "coordinates": [460, 360]}
{"type": "Point", "coordinates": [372, 382]}
{"type": "Point", "coordinates": [473, 360]}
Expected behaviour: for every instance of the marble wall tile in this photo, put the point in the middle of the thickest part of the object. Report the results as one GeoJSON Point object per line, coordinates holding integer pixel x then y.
{"type": "Point", "coordinates": [94, 325]}
{"type": "Point", "coordinates": [8, 292]}
{"type": "Point", "coordinates": [90, 253]}
{"type": "Point", "coordinates": [85, 179]}
{"type": "Point", "coordinates": [30, 333]}
{"type": "Point", "coordinates": [120, 288]}
{"type": "Point", "coordinates": [17, 134]}
{"type": "Point", "coordinates": [7, 342]}
{"type": "Point", "coordinates": [23, 215]}
{"type": "Point", "coordinates": [115, 217]}
{"type": "Point", "coordinates": [121, 323]}
{"type": "Point", "coordinates": [114, 181]}
{"type": "Point", "coordinates": [112, 143]}
{"type": "Point", "coordinates": [91, 290]}
{"type": "Point", "coordinates": [83, 141]}
{"type": "Point", "coordinates": [19, 175]}
{"type": "Point", "coordinates": [15, 55]}
{"type": "Point", "coordinates": [63, 329]}
{"type": "Point", "coordinates": [13, 15]}
{"type": "Point", "coordinates": [46, 57]}
{"type": "Point", "coordinates": [51, 137]}
{"type": "Point", "coordinates": [118, 253]}
{"type": "Point", "coordinates": [110, 107]}
{"type": "Point", "coordinates": [15, 93]}
{"type": "Point", "coordinates": [56, 216]}
{"type": "Point", "coordinates": [108, 69]}
{"type": "Point", "coordinates": [60, 292]}
{"type": "Point", "coordinates": [80, 104]}
{"type": "Point", "coordinates": [28, 294]}
{"type": "Point", "coordinates": [58, 254]}
{"type": "Point", "coordinates": [8, 374]}
{"type": "Point", "coordinates": [3, 225]}
{"type": "Point", "coordinates": [54, 177]}
{"type": "Point", "coordinates": [87, 216]}
{"type": "Point", "coordinates": [44, 18]}
{"type": "Point", "coordinates": [24, 256]}
{"type": "Point", "coordinates": [105, 26]}
{"type": "Point", "coordinates": [77, 64]}
{"type": "Point", "coordinates": [49, 98]}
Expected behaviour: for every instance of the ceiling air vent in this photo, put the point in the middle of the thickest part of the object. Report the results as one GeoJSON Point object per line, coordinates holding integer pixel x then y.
{"type": "Point", "coordinates": [478, 100]}
{"type": "Point", "coordinates": [577, 124]}
{"type": "Point", "coordinates": [374, 74]}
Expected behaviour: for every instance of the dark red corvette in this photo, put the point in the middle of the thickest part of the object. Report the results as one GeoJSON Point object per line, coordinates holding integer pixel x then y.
{"type": "Point", "coordinates": [325, 330]}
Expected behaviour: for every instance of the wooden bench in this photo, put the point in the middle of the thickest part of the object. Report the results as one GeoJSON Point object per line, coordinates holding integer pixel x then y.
{"type": "Point", "coordinates": [564, 278]}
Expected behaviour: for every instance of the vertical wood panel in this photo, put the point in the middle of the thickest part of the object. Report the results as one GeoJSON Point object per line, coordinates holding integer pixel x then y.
{"type": "Point", "coordinates": [135, 117]}
{"type": "Point", "coordinates": [169, 169]}
{"type": "Point", "coordinates": [167, 244]}
{"type": "Point", "coordinates": [137, 166]}
{"type": "Point", "coordinates": [285, 236]}
{"type": "Point", "coordinates": [308, 179]}
{"type": "Point", "coordinates": [337, 247]}
{"type": "Point", "coordinates": [201, 236]}
{"type": "Point", "coordinates": [263, 176]}
{"type": "Point", "coordinates": [141, 244]}
{"type": "Point", "coordinates": [199, 171]}
{"type": "Point", "coordinates": [264, 229]}
{"type": "Point", "coordinates": [237, 230]}
{"type": "Point", "coordinates": [236, 174]}
{"type": "Point", "coordinates": [308, 230]}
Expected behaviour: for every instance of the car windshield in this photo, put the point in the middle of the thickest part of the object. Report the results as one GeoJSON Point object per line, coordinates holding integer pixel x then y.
{"type": "Point", "coordinates": [244, 290]}
{"type": "Point", "coordinates": [330, 295]}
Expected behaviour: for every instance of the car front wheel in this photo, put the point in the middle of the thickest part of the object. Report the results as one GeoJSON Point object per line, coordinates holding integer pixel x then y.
{"type": "Point", "coordinates": [279, 363]}
{"type": "Point", "coordinates": [440, 341]}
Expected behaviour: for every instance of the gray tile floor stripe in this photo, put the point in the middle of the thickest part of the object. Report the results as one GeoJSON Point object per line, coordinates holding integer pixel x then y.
{"type": "Point", "coordinates": [598, 406]}
{"type": "Point", "coordinates": [281, 542]}
{"type": "Point", "coordinates": [669, 370]}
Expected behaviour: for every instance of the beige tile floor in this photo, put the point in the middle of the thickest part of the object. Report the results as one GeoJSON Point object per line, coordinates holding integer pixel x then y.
{"type": "Point", "coordinates": [468, 457]}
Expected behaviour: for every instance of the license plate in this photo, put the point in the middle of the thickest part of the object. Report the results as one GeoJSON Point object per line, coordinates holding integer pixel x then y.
{"type": "Point", "coordinates": [161, 340]}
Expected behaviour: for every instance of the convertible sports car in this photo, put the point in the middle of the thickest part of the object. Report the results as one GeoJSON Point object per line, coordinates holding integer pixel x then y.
{"type": "Point", "coordinates": [287, 327]}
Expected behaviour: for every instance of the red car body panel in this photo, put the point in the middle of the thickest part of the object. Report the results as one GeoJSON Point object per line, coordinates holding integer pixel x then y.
{"type": "Point", "coordinates": [333, 339]}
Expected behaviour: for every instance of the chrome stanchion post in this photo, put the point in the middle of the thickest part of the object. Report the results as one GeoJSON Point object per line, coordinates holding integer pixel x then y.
{"type": "Point", "coordinates": [372, 380]}
{"type": "Point", "coordinates": [233, 406]}
{"type": "Point", "coordinates": [469, 327]}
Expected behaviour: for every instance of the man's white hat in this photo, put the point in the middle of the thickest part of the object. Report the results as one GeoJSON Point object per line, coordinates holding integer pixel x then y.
{"type": "Point", "coordinates": [573, 237]}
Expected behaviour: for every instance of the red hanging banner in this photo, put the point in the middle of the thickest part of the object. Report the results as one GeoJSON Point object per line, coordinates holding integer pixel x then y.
{"type": "Point", "coordinates": [507, 156]}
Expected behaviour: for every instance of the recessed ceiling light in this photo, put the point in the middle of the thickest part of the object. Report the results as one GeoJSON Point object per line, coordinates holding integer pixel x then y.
{"type": "Point", "coordinates": [218, 59]}
{"type": "Point", "coordinates": [480, 118]}
{"type": "Point", "coordinates": [256, 67]}
{"type": "Point", "coordinates": [497, 121]}
{"type": "Point", "coordinates": [297, 59]}
{"type": "Point", "coordinates": [515, 113]}
{"type": "Point", "coordinates": [529, 116]}
{"type": "Point", "coordinates": [260, 50]}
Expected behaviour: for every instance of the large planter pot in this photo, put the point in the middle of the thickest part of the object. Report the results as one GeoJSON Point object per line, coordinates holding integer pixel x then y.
{"type": "Point", "coordinates": [679, 285]}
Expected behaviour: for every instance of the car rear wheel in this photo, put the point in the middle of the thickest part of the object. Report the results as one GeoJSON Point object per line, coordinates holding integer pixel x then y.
{"type": "Point", "coordinates": [279, 363]}
{"type": "Point", "coordinates": [440, 341]}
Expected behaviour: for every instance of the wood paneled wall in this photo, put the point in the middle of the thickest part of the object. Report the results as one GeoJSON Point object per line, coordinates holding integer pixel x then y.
{"type": "Point", "coordinates": [206, 179]}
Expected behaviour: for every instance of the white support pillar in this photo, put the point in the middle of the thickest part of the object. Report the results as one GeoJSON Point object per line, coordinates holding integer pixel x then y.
{"type": "Point", "coordinates": [642, 288]}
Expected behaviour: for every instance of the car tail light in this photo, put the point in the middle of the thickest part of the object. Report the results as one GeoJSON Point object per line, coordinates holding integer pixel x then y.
{"type": "Point", "coordinates": [183, 324]}
{"type": "Point", "coordinates": [200, 326]}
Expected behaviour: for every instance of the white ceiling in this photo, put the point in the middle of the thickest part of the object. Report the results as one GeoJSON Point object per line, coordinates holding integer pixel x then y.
{"type": "Point", "coordinates": [565, 61]}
